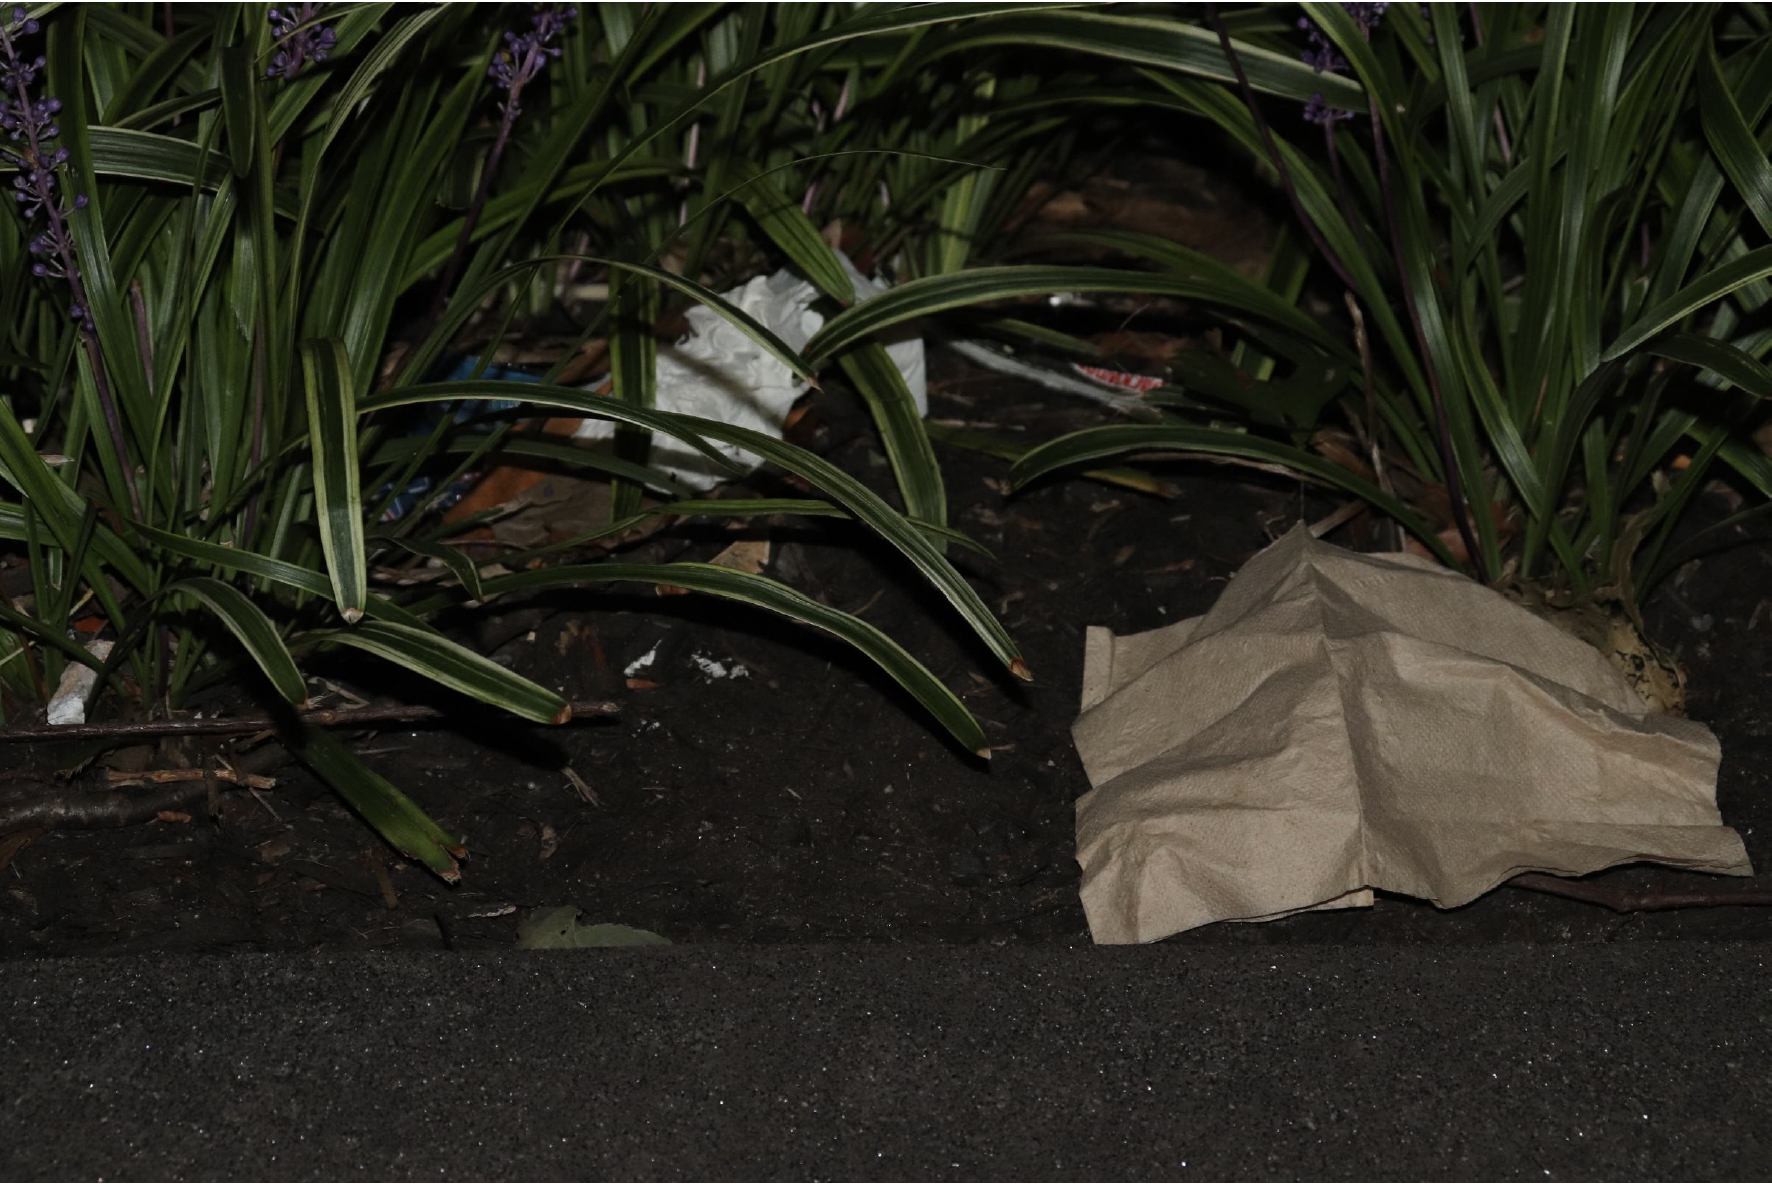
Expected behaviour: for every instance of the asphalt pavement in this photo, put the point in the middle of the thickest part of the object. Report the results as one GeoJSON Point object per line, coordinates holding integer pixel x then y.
{"type": "Point", "coordinates": [864, 1062]}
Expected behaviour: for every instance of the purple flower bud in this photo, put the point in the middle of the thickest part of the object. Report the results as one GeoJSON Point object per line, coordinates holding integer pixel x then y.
{"type": "Point", "coordinates": [299, 39]}
{"type": "Point", "coordinates": [1366, 16]}
{"type": "Point", "coordinates": [1317, 111]}
{"type": "Point", "coordinates": [1324, 58]}
{"type": "Point", "coordinates": [525, 54]}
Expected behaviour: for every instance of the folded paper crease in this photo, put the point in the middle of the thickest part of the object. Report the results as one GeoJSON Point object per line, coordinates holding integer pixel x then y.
{"type": "Point", "coordinates": [1340, 723]}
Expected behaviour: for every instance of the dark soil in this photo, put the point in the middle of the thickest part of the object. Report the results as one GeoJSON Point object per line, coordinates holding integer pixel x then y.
{"type": "Point", "coordinates": [810, 800]}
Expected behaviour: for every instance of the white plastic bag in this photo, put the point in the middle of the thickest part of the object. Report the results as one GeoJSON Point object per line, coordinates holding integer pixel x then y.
{"type": "Point", "coordinates": [717, 372]}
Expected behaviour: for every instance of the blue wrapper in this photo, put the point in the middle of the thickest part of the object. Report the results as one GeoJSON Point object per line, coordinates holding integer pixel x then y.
{"type": "Point", "coordinates": [425, 420]}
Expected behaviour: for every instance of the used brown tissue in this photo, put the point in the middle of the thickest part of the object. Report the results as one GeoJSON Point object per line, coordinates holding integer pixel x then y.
{"type": "Point", "coordinates": [1340, 723]}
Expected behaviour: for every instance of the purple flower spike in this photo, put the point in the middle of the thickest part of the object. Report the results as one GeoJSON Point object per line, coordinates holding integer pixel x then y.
{"type": "Point", "coordinates": [523, 56]}
{"type": "Point", "coordinates": [513, 67]}
{"type": "Point", "coordinates": [299, 39]}
{"type": "Point", "coordinates": [29, 125]}
{"type": "Point", "coordinates": [1318, 111]}
{"type": "Point", "coordinates": [1323, 57]}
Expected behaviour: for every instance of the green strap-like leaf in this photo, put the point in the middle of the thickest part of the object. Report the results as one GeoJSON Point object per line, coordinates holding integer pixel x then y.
{"type": "Point", "coordinates": [1755, 265]}
{"type": "Point", "coordinates": [454, 666]}
{"type": "Point", "coordinates": [549, 447]}
{"type": "Point", "coordinates": [1733, 141]}
{"type": "Point", "coordinates": [778, 598]}
{"type": "Point", "coordinates": [264, 567]}
{"type": "Point", "coordinates": [249, 625]}
{"type": "Point", "coordinates": [150, 156]}
{"type": "Point", "coordinates": [875, 375]}
{"type": "Point", "coordinates": [741, 320]}
{"type": "Point", "coordinates": [1238, 290]}
{"type": "Point", "coordinates": [790, 229]}
{"type": "Point", "coordinates": [1121, 439]}
{"type": "Point", "coordinates": [465, 570]}
{"type": "Point", "coordinates": [506, 207]}
{"type": "Point", "coordinates": [856, 497]}
{"type": "Point", "coordinates": [377, 61]}
{"type": "Point", "coordinates": [59, 506]}
{"type": "Point", "coordinates": [1007, 448]}
{"type": "Point", "coordinates": [239, 83]}
{"type": "Point", "coordinates": [933, 294]}
{"type": "Point", "coordinates": [1726, 361]}
{"type": "Point", "coordinates": [53, 636]}
{"type": "Point", "coordinates": [633, 373]}
{"type": "Point", "coordinates": [332, 433]}
{"type": "Point", "coordinates": [1164, 39]}
{"type": "Point", "coordinates": [544, 394]}
{"type": "Point", "coordinates": [808, 507]}
{"type": "Point", "coordinates": [889, 401]}
{"type": "Point", "coordinates": [394, 816]}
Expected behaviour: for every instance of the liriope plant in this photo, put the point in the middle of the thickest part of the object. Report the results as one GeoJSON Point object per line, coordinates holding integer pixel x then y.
{"type": "Point", "coordinates": [1548, 227]}
{"type": "Point", "coordinates": [247, 237]}
{"type": "Point", "coordinates": [257, 235]}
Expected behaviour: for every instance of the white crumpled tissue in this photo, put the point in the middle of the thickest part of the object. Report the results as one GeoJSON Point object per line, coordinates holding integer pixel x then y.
{"type": "Point", "coordinates": [717, 372]}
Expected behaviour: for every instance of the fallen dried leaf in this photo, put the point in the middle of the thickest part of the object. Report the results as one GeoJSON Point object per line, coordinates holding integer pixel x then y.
{"type": "Point", "coordinates": [747, 555]}
{"type": "Point", "coordinates": [13, 844]}
{"type": "Point", "coordinates": [581, 787]}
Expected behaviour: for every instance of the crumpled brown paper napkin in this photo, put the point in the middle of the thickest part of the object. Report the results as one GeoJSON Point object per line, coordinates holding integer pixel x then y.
{"type": "Point", "coordinates": [1339, 723]}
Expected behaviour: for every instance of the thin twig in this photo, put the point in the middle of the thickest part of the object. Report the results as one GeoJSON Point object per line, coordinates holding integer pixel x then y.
{"type": "Point", "coordinates": [1273, 151]}
{"type": "Point", "coordinates": [372, 860]}
{"type": "Point", "coordinates": [85, 810]}
{"type": "Point", "coordinates": [366, 717]}
{"type": "Point", "coordinates": [1374, 424]}
{"type": "Point", "coordinates": [1620, 899]}
{"type": "Point", "coordinates": [445, 287]}
{"type": "Point", "coordinates": [179, 776]}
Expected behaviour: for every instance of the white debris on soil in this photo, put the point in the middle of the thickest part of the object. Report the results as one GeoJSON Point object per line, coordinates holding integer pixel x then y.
{"type": "Point", "coordinates": [992, 358]}
{"type": "Point", "coordinates": [716, 669]}
{"type": "Point", "coordinates": [68, 704]}
{"type": "Point", "coordinates": [642, 662]}
{"type": "Point", "coordinates": [717, 372]}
